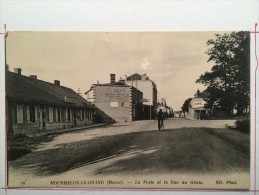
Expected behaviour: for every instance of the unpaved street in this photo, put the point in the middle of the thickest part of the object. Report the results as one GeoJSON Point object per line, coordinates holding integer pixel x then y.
{"type": "Point", "coordinates": [137, 148]}
{"type": "Point", "coordinates": [129, 127]}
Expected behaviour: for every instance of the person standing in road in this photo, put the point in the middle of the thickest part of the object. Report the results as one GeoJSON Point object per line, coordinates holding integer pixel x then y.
{"type": "Point", "coordinates": [160, 118]}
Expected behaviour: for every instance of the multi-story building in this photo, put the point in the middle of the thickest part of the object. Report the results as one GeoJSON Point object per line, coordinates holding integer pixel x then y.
{"type": "Point", "coordinates": [149, 90]}
{"type": "Point", "coordinates": [116, 101]}
{"type": "Point", "coordinates": [33, 105]}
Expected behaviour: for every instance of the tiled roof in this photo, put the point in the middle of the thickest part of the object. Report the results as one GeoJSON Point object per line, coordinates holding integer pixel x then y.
{"type": "Point", "coordinates": [26, 89]}
{"type": "Point", "coordinates": [135, 76]}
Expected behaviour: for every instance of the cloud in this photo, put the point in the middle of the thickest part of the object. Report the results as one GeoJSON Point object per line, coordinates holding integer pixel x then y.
{"type": "Point", "coordinates": [145, 64]}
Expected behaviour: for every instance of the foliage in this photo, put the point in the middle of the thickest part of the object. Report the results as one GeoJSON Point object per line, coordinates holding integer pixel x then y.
{"type": "Point", "coordinates": [243, 125]}
{"type": "Point", "coordinates": [185, 107]}
{"type": "Point", "coordinates": [228, 80]}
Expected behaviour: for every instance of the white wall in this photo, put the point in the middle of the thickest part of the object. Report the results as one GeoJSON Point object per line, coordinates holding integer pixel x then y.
{"type": "Point", "coordinates": [197, 103]}
{"type": "Point", "coordinates": [146, 87]}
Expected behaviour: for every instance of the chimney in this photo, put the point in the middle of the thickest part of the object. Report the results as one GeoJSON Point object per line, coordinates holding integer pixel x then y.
{"type": "Point", "coordinates": [18, 71]}
{"type": "Point", "coordinates": [144, 77]}
{"type": "Point", "coordinates": [33, 76]}
{"type": "Point", "coordinates": [57, 82]}
{"type": "Point", "coordinates": [122, 80]}
{"type": "Point", "coordinates": [112, 78]}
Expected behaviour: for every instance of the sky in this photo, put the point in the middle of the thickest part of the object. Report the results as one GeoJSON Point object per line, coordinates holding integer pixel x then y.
{"type": "Point", "coordinates": [173, 60]}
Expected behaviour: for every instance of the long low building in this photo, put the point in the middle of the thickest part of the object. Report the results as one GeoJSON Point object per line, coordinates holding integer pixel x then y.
{"type": "Point", "coordinates": [34, 105]}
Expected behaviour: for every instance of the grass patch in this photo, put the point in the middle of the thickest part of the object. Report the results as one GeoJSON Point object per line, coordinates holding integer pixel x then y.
{"type": "Point", "coordinates": [20, 146]}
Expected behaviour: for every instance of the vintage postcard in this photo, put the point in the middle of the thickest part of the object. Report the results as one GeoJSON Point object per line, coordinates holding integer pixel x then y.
{"type": "Point", "coordinates": [128, 109]}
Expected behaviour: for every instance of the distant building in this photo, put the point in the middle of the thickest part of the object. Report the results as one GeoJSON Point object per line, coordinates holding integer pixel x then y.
{"type": "Point", "coordinates": [149, 89]}
{"type": "Point", "coordinates": [197, 108]}
{"type": "Point", "coordinates": [178, 113]}
{"type": "Point", "coordinates": [116, 101]}
{"type": "Point", "coordinates": [168, 111]}
{"type": "Point", "coordinates": [34, 105]}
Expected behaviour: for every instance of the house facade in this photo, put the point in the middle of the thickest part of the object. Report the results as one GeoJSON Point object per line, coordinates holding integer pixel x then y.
{"type": "Point", "coordinates": [149, 90]}
{"type": "Point", "coordinates": [116, 101]}
{"type": "Point", "coordinates": [197, 108]}
{"type": "Point", "coordinates": [34, 105]}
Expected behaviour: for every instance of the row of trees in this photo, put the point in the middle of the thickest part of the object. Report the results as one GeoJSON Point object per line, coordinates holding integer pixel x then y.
{"type": "Point", "coordinates": [228, 82]}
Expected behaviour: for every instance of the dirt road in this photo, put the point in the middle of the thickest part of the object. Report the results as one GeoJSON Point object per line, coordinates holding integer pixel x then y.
{"type": "Point", "coordinates": [184, 147]}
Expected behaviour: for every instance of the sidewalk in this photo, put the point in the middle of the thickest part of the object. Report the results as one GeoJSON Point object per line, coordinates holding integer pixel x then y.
{"type": "Point", "coordinates": [49, 132]}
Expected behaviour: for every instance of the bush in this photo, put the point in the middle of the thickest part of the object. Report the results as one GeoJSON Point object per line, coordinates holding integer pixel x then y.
{"type": "Point", "coordinates": [243, 125]}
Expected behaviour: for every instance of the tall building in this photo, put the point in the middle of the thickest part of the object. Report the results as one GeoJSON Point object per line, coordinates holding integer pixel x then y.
{"type": "Point", "coordinates": [149, 90]}
{"type": "Point", "coordinates": [116, 101]}
{"type": "Point", "coordinates": [33, 105]}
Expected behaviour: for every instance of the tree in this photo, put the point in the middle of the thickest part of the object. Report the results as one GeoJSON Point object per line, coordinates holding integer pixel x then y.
{"type": "Point", "coordinates": [228, 80]}
{"type": "Point", "coordinates": [185, 107]}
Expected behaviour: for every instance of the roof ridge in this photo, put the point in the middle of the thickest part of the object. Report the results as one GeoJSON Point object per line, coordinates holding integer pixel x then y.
{"type": "Point", "coordinates": [21, 87]}
{"type": "Point", "coordinates": [48, 82]}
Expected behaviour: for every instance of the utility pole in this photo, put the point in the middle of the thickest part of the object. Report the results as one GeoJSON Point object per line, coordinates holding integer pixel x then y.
{"type": "Point", "coordinates": [150, 111]}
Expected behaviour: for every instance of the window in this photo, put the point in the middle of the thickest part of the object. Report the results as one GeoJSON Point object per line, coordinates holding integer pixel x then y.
{"type": "Point", "coordinates": [114, 104]}
{"type": "Point", "coordinates": [47, 114]}
{"type": "Point", "coordinates": [90, 113]}
{"type": "Point", "coordinates": [68, 113]}
{"type": "Point", "coordinates": [19, 113]}
{"type": "Point", "coordinates": [25, 114]}
{"type": "Point", "coordinates": [63, 113]}
{"type": "Point", "coordinates": [32, 113]}
{"type": "Point", "coordinates": [55, 116]}
{"type": "Point", "coordinates": [59, 114]}
{"type": "Point", "coordinates": [87, 114]}
{"type": "Point", "coordinates": [14, 113]}
{"type": "Point", "coordinates": [51, 114]}
{"type": "Point", "coordinates": [82, 114]}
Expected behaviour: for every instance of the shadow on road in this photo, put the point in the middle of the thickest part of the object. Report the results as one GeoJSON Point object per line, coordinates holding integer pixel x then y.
{"type": "Point", "coordinates": [186, 150]}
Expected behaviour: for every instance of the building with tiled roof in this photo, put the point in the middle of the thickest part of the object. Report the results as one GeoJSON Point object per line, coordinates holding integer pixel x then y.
{"type": "Point", "coordinates": [34, 105]}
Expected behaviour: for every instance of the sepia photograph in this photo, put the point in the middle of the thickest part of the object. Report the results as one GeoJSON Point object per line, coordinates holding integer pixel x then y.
{"type": "Point", "coordinates": [131, 110]}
